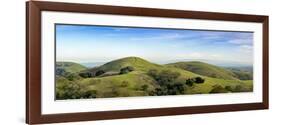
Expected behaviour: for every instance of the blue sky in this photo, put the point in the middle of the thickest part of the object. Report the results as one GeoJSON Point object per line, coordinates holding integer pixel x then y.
{"type": "Point", "coordinates": [80, 43]}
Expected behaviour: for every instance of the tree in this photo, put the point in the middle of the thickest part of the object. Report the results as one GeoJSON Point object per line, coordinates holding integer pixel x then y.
{"type": "Point", "coordinates": [130, 68]}
{"type": "Point", "coordinates": [166, 77]}
{"type": "Point", "coordinates": [167, 81]}
{"type": "Point", "coordinates": [68, 90]}
{"type": "Point", "coordinates": [69, 76]}
{"type": "Point", "coordinates": [126, 70]}
{"type": "Point", "coordinates": [99, 72]}
{"type": "Point", "coordinates": [199, 80]}
{"type": "Point", "coordinates": [85, 74]}
{"type": "Point", "coordinates": [179, 87]}
{"type": "Point", "coordinates": [170, 89]}
{"type": "Point", "coordinates": [189, 82]}
{"type": "Point", "coordinates": [60, 71]}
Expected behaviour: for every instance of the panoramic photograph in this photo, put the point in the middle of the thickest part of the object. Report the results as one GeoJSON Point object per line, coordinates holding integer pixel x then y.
{"type": "Point", "coordinates": [113, 61]}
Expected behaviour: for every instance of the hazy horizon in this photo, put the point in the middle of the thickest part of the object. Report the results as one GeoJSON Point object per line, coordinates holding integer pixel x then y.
{"type": "Point", "coordinates": [92, 44]}
{"type": "Point", "coordinates": [214, 62]}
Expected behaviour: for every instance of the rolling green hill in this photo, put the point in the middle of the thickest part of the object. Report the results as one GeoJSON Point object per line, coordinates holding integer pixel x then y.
{"type": "Point", "coordinates": [205, 69]}
{"type": "Point", "coordinates": [146, 79]}
{"type": "Point", "coordinates": [242, 73]}
{"type": "Point", "coordinates": [136, 62]}
{"type": "Point", "coordinates": [70, 67]}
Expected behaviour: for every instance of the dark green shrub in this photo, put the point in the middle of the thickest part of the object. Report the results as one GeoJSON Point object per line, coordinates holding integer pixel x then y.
{"type": "Point", "coordinates": [166, 77]}
{"type": "Point", "coordinates": [179, 87]}
{"type": "Point", "coordinates": [86, 74]}
{"type": "Point", "coordinates": [130, 68]}
{"type": "Point", "coordinates": [69, 90]}
{"type": "Point", "coordinates": [99, 72]}
{"type": "Point", "coordinates": [189, 82]}
{"type": "Point", "coordinates": [170, 89]}
{"type": "Point", "coordinates": [71, 76]}
{"type": "Point", "coordinates": [199, 80]}
{"type": "Point", "coordinates": [175, 89]}
{"type": "Point", "coordinates": [161, 91]}
{"type": "Point", "coordinates": [167, 81]}
{"type": "Point", "coordinates": [126, 70]}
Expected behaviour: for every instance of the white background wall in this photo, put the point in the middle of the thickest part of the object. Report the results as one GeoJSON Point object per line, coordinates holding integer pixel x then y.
{"type": "Point", "coordinates": [12, 64]}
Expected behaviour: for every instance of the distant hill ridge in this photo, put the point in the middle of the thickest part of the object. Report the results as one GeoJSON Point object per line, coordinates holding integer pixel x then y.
{"type": "Point", "coordinates": [146, 79]}
{"type": "Point", "coordinates": [140, 64]}
{"type": "Point", "coordinates": [205, 69]}
{"type": "Point", "coordinates": [70, 67]}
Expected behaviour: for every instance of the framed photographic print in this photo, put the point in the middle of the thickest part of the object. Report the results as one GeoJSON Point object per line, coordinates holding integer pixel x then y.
{"type": "Point", "coordinates": [94, 62]}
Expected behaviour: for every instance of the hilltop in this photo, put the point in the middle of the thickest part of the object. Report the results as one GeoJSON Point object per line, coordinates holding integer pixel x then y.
{"type": "Point", "coordinates": [115, 65]}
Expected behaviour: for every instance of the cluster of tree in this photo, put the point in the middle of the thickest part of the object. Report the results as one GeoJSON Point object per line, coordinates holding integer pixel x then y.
{"type": "Point", "coordinates": [170, 89]}
{"type": "Point", "coordinates": [60, 71]}
{"type": "Point", "coordinates": [126, 70]}
{"type": "Point", "coordinates": [163, 77]}
{"type": "Point", "coordinates": [72, 90]}
{"type": "Point", "coordinates": [166, 79]}
{"type": "Point", "coordinates": [67, 75]}
{"type": "Point", "coordinates": [99, 72]}
{"type": "Point", "coordinates": [87, 74]}
{"type": "Point", "coordinates": [197, 80]}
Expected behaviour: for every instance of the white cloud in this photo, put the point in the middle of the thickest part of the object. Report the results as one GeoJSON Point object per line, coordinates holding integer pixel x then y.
{"type": "Point", "coordinates": [241, 41]}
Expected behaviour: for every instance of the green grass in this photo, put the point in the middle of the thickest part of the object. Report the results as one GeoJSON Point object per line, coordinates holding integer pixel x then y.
{"type": "Point", "coordinates": [139, 83]}
{"type": "Point", "coordinates": [124, 85]}
{"type": "Point", "coordinates": [136, 62]}
{"type": "Point", "coordinates": [205, 69]}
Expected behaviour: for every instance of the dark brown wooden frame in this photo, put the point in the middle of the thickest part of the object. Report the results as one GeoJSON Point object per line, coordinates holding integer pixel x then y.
{"type": "Point", "coordinates": [33, 61]}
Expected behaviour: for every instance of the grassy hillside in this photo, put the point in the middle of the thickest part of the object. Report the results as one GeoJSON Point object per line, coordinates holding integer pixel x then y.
{"type": "Point", "coordinates": [205, 69]}
{"type": "Point", "coordinates": [145, 79]}
{"type": "Point", "coordinates": [70, 67]}
{"type": "Point", "coordinates": [136, 62]}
